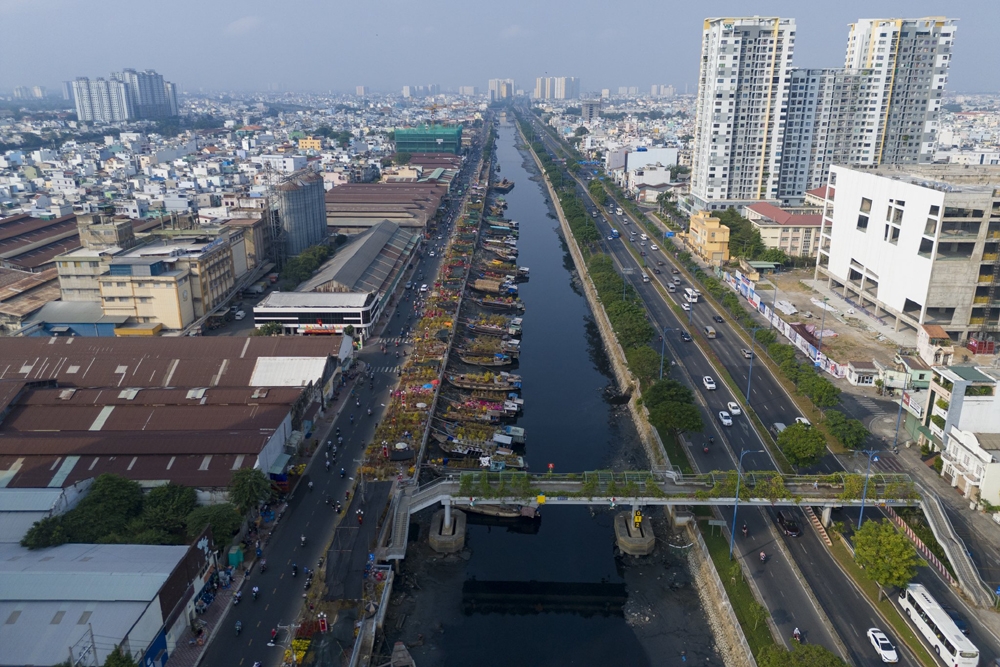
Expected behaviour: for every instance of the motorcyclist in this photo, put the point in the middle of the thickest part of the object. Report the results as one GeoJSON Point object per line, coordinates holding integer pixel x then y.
{"type": "Point", "coordinates": [744, 530]}
{"type": "Point", "coordinates": [256, 592]}
{"type": "Point", "coordinates": [263, 565]}
{"type": "Point", "coordinates": [310, 486]}
{"type": "Point", "coordinates": [763, 556]}
{"type": "Point", "coordinates": [796, 635]}
{"type": "Point", "coordinates": [295, 569]}
{"type": "Point", "coordinates": [342, 472]}
{"type": "Point", "coordinates": [239, 628]}
{"type": "Point", "coordinates": [303, 540]}
{"type": "Point", "coordinates": [328, 466]}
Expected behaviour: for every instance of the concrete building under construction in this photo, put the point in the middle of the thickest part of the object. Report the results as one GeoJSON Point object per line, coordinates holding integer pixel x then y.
{"type": "Point", "coordinates": [302, 211]}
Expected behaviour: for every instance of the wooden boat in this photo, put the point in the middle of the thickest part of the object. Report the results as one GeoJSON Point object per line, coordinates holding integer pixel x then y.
{"type": "Point", "coordinates": [488, 381]}
{"type": "Point", "coordinates": [504, 186]}
{"type": "Point", "coordinates": [494, 360]}
{"type": "Point", "coordinates": [499, 303]}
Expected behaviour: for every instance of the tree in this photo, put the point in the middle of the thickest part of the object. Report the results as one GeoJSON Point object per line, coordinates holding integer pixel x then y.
{"type": "Point", "coordinates": [403, 158]}
{"type": "Point", "coordinates": [248, 488]}
{"type": "Point", "coordinates": [118, 658]}
{"type": "Point", "coordinates": [887, 556]}
{"type": "Point", "coordinates": [109, 505]}
{"type": "Point", "coordinates": [268, 329]}
{"type": "Point", "coordinates": [48, 532]}
{"type": "Point", "coordinates": [581, 131]}
{"type": "Point", "coordinates": [676, 417]}
{"type": "Point", "coordinates": [164, 509]}
{"type": "Point", "coordinates": [758, 613]}
{"type": "Point", "coordinates": [644, 361]}
{"type": "Point", "coordinates": [225, 520]}
{"type": "Point", "coordinates": [801, 655]}
{"type": "Point", "coordinates": [349, 330]}
{"type": "Point", "coordinates": [850, 432]}
{"type": "Point", "coordinates": [667, 390]}
{"type": "Point", "coordinates": [801, 444]}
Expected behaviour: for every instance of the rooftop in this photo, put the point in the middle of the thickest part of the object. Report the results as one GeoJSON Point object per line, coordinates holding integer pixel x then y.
{"type": "Point", "coordinates": [782, 217]}
{"type": "Point", "coordinates": [948, 178]}
{"type": "Point", "coordinates": [314, 300]}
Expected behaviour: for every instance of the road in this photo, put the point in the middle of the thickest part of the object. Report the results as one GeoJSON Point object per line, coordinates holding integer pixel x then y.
{"type": "Point", "coordinates": [308, 514]}
{"type": "Point", "coordinates": [788, 602]}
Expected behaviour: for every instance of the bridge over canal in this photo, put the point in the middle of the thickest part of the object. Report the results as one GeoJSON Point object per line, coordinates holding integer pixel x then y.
{"type": "Point", "coordinates": [638, 489]}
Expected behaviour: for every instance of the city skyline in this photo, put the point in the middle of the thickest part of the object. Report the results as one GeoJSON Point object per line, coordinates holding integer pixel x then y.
{"type": "Point", "coordinates": [666, 35]}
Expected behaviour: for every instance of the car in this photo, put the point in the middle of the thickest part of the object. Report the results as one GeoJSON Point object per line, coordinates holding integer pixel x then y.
{"type": "Point", "coordinates": [882, 645]}
{"type": "Point", "coordinates": [725, 418]}
{"type": "Point", "coordinates": [657, 271]}
{"type": "Point", "coordinates": [718, 318]}
{"type": "Point", "coordinates": [660, 262]}
{"type": "Point", "coordinates": [734, 408]}
{"type": "Point", "coordinates": [431, 253]}
{"type": "Point", "coordinates": [642, 253]}
{"type": "Point", "coordinates": [685, 306]}
{"type": "Point", "coordinates": [423, 288]}
{"type": "Point", "coordinates": [803, 421]}
{"type": "Point", "coordinates": [675, 271]}
{"type": "Point", "coordinates": [746, 353]}
{"type": "Point", "coordinates": [788, 527]}
{"type": "Point", "coordinates": [685, 336]}
{"type": "Point", "coordinates": [240, 314]}
{"type": "Point", "coordinates": [709, 382]}
{"type": "Point", "coordinates": [611, 238]}
{"type": "Point", "coordinates": [409, 284]}
{"type": "Point", "coordinates": [652, 246]}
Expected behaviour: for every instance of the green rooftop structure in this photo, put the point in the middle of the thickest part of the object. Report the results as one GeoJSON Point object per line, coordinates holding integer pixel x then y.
{"type": "Point", "coordinates": [429, 139]}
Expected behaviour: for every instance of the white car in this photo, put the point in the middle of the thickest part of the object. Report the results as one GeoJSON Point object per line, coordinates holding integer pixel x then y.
{"type": "Point", "coordinates": [708, 382]}
{"type": "Point", "coordinates": [685, 306]}
{"type": "Point", "coordinates": [431, 253]}
{"type": "Point", "coordinates": [725, 418]}
{"type": "Point", "coordinates": [240, 315]}
{"type": "Point", "coordinates": [882, 645]}
{"type": "Point", "coordinates": [423, 288]}
{"type": "Point", "coordinates": [803, 420]}
{"type": "Point", "coordinates": [734, 408]}
{"type": "Point", "coordinates": [653, 247]}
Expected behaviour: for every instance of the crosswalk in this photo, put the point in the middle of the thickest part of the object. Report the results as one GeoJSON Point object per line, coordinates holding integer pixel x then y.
{"type": "Point", "coordinates": [397, 339]}
{"type": "Point", "coordinates": [870, 405]}
{"type": "Point", "coordinates": [385, 369]}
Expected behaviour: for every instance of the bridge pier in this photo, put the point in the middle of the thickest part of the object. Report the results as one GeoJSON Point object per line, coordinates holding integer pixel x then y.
{"type": "Point", "coordinates": [635, 538]}
{"type": "Point", "coordinates": [827, 515]}
{"type": "Point", "coordinates": [447, 534]}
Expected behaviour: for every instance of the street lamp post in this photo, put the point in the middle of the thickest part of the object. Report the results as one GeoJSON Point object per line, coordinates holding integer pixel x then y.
{"type": "Point", "coordinates": [626, 271]}
{"type": "Point", "coordinates": [753, 353]}
{"type": "Point", "coordinates": [872, 456]}
{"type": "Point", "coordinates": [899, 414]}
{"type": "Point", "coordinates": [736, 507]}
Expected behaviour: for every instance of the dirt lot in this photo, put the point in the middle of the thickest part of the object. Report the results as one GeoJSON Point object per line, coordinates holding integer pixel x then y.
{"type": "Point", "coordinates": [855, 340]}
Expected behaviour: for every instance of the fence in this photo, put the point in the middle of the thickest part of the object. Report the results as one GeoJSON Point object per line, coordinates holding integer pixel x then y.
{"type": "Point", "coordinates": [921, 547]}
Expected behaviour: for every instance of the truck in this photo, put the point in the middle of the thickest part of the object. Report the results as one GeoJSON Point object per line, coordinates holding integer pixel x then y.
{"type": "Point", "coordinates": [615, 234]}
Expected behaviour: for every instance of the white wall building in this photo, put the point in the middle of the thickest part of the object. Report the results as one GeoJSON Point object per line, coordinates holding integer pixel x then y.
{"type": "Point", "coordinates": [917, 246]}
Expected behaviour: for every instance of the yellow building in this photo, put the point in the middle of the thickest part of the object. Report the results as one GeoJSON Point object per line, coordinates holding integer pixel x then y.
{"type": "Point", "coordinates": [708, 238]}
{"type": "Point", "coordinates": [147, 289]}
{"type": "Point", "coordinates": [311, 144]}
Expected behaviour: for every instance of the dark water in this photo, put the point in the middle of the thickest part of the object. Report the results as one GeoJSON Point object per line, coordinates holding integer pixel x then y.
{"type": "Point", "coordinates": [568, 423]}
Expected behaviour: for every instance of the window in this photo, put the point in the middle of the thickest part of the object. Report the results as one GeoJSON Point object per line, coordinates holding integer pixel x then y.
{"type": "Point", "coordinates": [866, 205]}
{"type": "Point", "coordinates": [935, 210]}
{"type": "Point", "coordinates": [862, 222]}
{"type": "Point", "coordinates": [931, 227]}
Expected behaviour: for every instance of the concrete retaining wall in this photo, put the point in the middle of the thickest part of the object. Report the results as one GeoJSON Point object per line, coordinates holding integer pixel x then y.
{"type": "Point", "coordinates": [640, 416]}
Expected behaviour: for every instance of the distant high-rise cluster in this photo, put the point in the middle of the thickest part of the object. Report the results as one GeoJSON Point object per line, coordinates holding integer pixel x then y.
{"type": "Point", "coordinates": [628, 90]}
{"type": "Point", "coordinates": [557, 88]}
{"type": "Point", "coordinates": [126, 95]}
{"type": "Point", "coordinates": [658, 90]}
{"type": "Point", "coordinates": [29, 92]}
{"type": "Point", "coordinates": [421, 91]}
{"type": "Point", "coordinates": [765, 130]}
{"type": "Point", "coordinates": [501, 89]}
{"type": "Point", "coordinates": [362, 91]}
{"type": "Point", "coordinates": [468, 90]}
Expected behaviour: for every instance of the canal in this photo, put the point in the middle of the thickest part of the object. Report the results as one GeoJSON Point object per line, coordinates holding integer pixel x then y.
{"type": "Point", "coordinates": [568, 569]}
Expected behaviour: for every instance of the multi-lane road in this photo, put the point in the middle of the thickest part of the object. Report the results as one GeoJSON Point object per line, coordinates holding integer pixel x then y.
{"type": "Point", "coordinates": [849, 612]}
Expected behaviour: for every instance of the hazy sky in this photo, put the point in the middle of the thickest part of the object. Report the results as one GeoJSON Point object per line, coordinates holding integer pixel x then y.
{"type": "Point", "coordinates": [338, 44]}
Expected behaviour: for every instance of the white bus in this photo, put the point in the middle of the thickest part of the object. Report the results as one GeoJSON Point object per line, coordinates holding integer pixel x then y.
{"type": "Point", "coordinates": [934, 623]}
{"type": "Point", "coordinates": [691, 295]}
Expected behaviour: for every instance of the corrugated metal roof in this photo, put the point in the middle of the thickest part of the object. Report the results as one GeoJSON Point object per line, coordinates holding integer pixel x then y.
{"type": "Point", "coordinates": [287, 371]}
{"type": "Point", "coordinates": [15, 525]}
{"type": "Point", "coordinates": [29, 500]}
{"type": "Point", "coordinates": [49, 596]}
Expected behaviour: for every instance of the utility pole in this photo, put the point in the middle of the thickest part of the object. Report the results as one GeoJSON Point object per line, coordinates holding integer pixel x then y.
{"type": "Point", "coordinates": [292, 628]}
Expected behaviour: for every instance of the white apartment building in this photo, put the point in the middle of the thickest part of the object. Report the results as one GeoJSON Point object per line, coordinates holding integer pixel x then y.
{"type": "Point", "coordinates": [909, 59]}
{"type": "Point", "coordinates": [962, 420]}
{"type": "Point", "coordinates": [102, 101]}
{"type": "Point", "coordinates": [742, 100]}
{"type": "Point", "coordinates": [916, 245]}
{"type": "Point", "coordinates": [285, 164]}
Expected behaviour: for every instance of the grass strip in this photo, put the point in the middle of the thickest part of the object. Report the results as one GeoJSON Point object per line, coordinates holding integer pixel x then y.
{"type": "Point", "coordinates": [740, 595]}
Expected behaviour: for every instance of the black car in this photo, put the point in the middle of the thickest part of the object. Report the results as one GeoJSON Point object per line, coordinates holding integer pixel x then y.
{"type": "Point", "coordinates": [685, 336]}
{"type": "Point", "coordinates": [657, 271]}
{"type": "Point", "coordinates": [789, 527]}
{"type": "Point", "coordinates": [660, 263]}
{"type": "Point", "coordinates": [718, 318]}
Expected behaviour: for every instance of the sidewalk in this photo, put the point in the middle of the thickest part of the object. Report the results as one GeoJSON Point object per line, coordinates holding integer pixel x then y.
{"type": "Point", "coordinates": [188, 653]}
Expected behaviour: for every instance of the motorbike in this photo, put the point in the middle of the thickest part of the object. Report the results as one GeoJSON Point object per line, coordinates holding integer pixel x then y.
{"type": "Point", "coordinates": [263, 566]}
{"type": "Point", "coordinates": [763, 557]}
{"type": "Point", "coordinates": [295, 569]}
{"type": "Point", "coordinates": [303, 540]}
{"type": "Point", "coordinates": [342, 473]}
{"type": "Point", "coordinates": [328, 466]}
{"type": "Point", "coordinates": [369, 412]}
{"type": "Point", "coordinates": [255, 594]}
{"type": "Point", "coordinates": [236, 598]}
{"type": "Point", "coordinates": [744, 530]}
{"type": "Point", "coordinates": [310, 485]}
{"type": "Point", "coordinates": [239, 628]}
